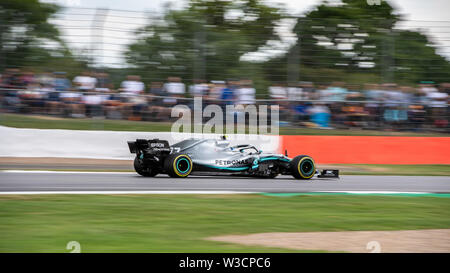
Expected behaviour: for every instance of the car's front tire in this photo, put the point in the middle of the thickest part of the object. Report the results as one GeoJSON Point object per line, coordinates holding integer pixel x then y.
{"type": "Point", "coordinates": [143, 169]}
{"type": "Point", "coordinates": [178, 165]}
{"type": "Point", "coordinates": [303, 167]}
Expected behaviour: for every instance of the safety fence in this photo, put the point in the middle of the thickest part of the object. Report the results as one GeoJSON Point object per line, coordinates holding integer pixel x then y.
{"type": "Point", "coordinates": [92, 144]}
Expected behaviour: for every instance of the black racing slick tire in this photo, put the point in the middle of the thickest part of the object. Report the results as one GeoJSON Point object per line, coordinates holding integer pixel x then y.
{"type": "Point", "coordinates": [144, 170]}
{"type": "Point", "coordinates": [303, 167]}
{"type": "Point", "coordinates": [178, 165]}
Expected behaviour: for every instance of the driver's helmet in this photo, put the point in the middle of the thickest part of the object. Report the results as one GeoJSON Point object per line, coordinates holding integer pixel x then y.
{"type": "Point", "coordinates": [222, 143]}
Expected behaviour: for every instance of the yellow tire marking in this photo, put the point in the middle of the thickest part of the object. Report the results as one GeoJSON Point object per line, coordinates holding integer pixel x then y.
{"type": "Point", "coordinates": [175, 166]}
{"type": "Point", "coordinates": [314, 167]}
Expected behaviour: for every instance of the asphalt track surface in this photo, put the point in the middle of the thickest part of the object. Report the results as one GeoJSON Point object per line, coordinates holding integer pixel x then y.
{"type": "Point", "coordinates": [18, 181]}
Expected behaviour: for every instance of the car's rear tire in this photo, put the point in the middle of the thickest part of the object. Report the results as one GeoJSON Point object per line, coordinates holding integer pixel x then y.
{"type": "Point", "coordinates": [143, 169]}
{"type": "Point", "coordinates": [178, 165]}
{"type": "Point", "coordinates": [302, 167]}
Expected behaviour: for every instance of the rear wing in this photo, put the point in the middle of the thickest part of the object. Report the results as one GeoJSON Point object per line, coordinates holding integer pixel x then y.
{"type": "Point", "coordinates": [148, 146]}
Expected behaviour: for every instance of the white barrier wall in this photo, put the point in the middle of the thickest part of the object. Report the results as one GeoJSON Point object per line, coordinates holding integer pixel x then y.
{"type": "Point", "coordinates": [16, 142]}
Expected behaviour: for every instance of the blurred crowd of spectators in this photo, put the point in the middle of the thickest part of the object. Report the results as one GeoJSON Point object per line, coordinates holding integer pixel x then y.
{"type": "Point", "coordinates": [91, 94]}
{"type": "Point", "coordinates": [371, 106]}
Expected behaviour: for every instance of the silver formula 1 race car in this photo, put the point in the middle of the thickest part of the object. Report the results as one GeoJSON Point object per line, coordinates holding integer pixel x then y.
{"type": "Point", "coordinates": [217, 157]}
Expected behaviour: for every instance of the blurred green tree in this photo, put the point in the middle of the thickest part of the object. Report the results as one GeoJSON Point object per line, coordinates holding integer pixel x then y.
{"type": "Point", "coordinates": [416, 59]}
{"type": "Point", "coordinates": [28, 39]}
{"type": "Point", "coordinates": [205, 41]}
{"type": "Point", "coordinates": [355, 42]}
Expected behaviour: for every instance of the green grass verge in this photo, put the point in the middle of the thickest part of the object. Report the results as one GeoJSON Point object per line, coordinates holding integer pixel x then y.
{"type": "Point", "coordinates": [45, 122]}
{"type": "Point", "coordinates": [167, 223]}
